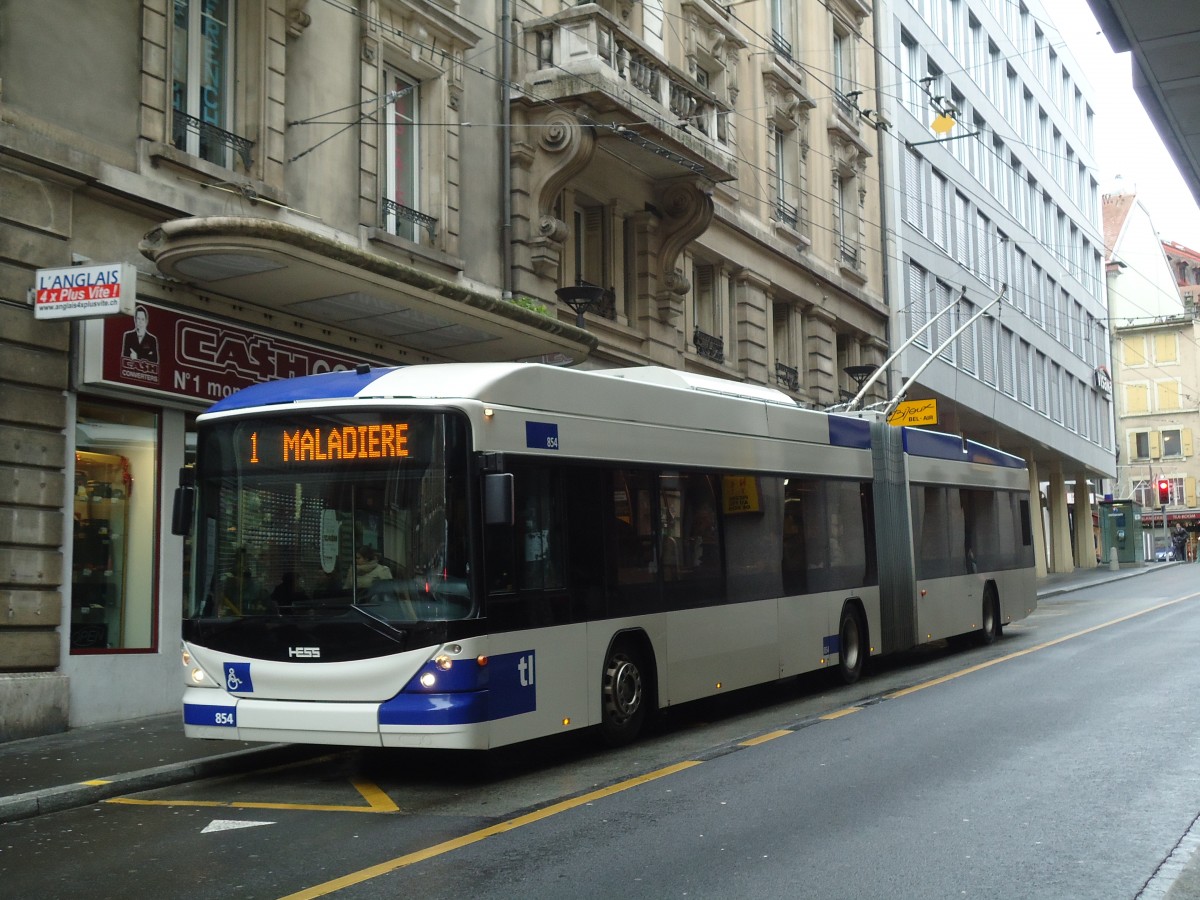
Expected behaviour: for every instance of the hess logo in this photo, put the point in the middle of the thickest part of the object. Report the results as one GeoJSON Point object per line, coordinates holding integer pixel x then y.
{"type": "Point", "coordinates": [304, 652]}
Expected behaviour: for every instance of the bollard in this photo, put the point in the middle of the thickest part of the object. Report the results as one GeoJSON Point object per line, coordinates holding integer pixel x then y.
{"type": "Point", "coordinates": [1113, 565]}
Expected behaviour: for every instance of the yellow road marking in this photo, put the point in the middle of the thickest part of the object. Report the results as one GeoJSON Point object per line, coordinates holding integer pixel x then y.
{"type": "Point", "coordinates": [763, 738]}
{"type": "Point", "coordinates": [992, 662]}
{"type": "Point", "coordinates": [96, 782]}
{"type": "Point", "coordinates": [377, 802]}
{"type": "Point", "coordinates": [400, 862]}
{"type": "Point", "coordinates": [227, 804]}
{"type": "Point", "coordinates": [828, 717]}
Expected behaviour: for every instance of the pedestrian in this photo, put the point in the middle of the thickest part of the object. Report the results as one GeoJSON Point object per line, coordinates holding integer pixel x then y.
{"type": "Point", "coordinates": [1179, 538]}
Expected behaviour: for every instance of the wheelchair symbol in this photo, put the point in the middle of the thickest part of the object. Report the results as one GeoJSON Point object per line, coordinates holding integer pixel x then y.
{"type": "Point", "coordinates": [232, 682]}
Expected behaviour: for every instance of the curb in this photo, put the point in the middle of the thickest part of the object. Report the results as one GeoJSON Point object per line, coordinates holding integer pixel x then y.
{"type": "Point", "coordinates": [1119, 575]}
{"type": "Point", "coordinates": [73, 796]}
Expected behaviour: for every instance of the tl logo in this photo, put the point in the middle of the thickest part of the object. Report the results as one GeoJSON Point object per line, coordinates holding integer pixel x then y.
{"type": "Point", "coordinates": [525, 668]}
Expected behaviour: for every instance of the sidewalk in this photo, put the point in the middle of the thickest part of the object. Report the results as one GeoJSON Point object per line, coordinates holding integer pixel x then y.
{"type": "Point", "coordinates": [97, 762]}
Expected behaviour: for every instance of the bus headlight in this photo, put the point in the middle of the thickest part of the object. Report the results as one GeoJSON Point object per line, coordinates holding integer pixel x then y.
{"type": "Point", "coordinates": [198, 677]}
{"type": "Point", "coordinates": [187, 657]}
{"type": "Point", "coordinates": [443, 662]}
{"type": "Point", "coordinates": [428, 679]}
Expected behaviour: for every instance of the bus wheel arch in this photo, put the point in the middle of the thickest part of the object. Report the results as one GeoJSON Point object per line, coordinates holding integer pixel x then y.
{"type": "Point", "coordinates": [853, 642]}
{"type": "Point", "coordinates": [627, 688]}
{"type": "Point", "coordinates": [989, 623]}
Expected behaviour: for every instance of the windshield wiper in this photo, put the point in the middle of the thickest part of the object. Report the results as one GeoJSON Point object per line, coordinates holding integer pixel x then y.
{"type": "Point", "coordinates": [387, 629]}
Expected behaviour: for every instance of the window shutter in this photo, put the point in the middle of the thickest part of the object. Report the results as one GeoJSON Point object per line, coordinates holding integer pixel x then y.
{"type": "Point", "coordinates": [1155, 445]}
{"type": "Point", "coordinates": [1185, 442]}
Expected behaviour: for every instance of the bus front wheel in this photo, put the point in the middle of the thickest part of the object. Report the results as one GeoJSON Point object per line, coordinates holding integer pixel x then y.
{"type": "Point", "coordinates": [624, 695]}
{"type": "Point", "coordinates": [852, 646]}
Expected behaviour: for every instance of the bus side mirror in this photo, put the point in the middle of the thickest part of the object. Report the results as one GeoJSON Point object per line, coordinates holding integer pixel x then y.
{"type": "Point", "coordinates": [185, 502]}
{"type": "Point", "coordinates": [498, 499]}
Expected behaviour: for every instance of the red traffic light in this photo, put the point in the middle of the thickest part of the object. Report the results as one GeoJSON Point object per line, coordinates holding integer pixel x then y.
{"type": "Point", "coordinates": [1164, 491]}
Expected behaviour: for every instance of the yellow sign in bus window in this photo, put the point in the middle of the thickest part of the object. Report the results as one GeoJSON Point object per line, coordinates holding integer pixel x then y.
{"type": "Point", "coordinates": [739, 494]}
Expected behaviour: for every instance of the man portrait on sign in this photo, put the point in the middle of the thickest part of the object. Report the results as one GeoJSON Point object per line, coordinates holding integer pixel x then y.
{"type": "Point", "coordinates": [139, 343]}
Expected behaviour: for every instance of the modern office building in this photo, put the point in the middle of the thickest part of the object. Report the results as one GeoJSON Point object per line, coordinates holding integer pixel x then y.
{"type": "Point", "coordinates": [276, 187]}
{"type": "Point", "coordinates": [995, 210]}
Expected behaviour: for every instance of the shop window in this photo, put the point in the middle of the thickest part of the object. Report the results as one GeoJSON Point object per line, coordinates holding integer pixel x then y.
{"type": "Point", "coordinates": [114, 547]}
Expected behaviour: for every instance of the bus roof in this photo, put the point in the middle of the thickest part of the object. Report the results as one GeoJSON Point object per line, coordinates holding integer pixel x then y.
{"type": "Point", "coordinates": [649, 394]}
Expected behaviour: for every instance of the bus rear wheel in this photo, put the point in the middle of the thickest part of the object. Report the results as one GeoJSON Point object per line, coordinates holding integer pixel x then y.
{"type": "Point", "coordinates": [624, 695]}
{"type": "Point", "coordinates": [852, 644]}
{"type": "Point", "coordinates": [989, 628]}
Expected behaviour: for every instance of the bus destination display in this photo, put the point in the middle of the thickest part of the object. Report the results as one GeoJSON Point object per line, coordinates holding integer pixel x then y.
{"type": "Point", "coordinates": [273, 445]}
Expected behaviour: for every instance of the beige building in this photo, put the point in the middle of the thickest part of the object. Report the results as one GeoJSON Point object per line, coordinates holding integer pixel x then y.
{"type": "Point", "coordinates": [1157, 368]}
{"type": "Point", "coordinates": [301, 185]}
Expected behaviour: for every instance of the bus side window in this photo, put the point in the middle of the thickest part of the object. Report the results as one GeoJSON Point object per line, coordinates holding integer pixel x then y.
{"type": "Point", "coordinates": [637, 556]}
{"type": "Point", "coordinates": [528, 555]}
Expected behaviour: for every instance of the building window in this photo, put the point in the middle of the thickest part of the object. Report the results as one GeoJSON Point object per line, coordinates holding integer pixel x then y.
{"type": "Point", "coordinates": [201, 78]}
{"type": "Point", "coordinates": [1137, 398]}
{"type": "Point", "coordinates": [402, 186]}
{"type": "Point", "coordinates": [843, 70]}
{"type": "Point", "coordinates": [589, 244]}
{"type": "Point", "coordinates": [1168, 394]}
{"type": "Point", "coordinates": [706, 313]}
{"type": "Point", "coordinates": [1145, 445]}
{"type": "Point", "coordinates": [914, 190]}
{"type": "Point", "coordinates": [787, 177]}
{"type": "Point", "coordinates": [653, 18]}
{"type": "Point", "coordinates": [1173, 442]}
{"type": "Point", "coordinates": [113, 571]}
{"type": "Point", "coordinates": [845, 218]}
{"type": "Point", "coordinates": [786, 325]}
{"type": "Point", "coordinates": [1166, 348]}
{"type": "Point", "coordinates": [783, 27]}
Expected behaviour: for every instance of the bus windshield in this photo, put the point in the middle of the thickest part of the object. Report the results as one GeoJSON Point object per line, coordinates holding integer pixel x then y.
{"type": "Point", "coordinates": [311, 515]}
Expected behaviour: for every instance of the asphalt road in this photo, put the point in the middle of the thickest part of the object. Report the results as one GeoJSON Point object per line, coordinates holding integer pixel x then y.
{"type": "Point", "coordinates": [1060, 762]}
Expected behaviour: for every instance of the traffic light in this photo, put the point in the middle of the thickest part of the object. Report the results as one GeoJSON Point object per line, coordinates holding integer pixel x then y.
{"type": "Point", "coordinates": [1164, 492]}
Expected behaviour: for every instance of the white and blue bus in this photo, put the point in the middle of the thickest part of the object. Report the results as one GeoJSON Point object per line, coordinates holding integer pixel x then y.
{"type": "Point", "coordinates": [471, 555]}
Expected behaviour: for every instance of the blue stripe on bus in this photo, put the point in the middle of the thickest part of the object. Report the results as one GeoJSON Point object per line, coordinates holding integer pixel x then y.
{"type": "Point", "coordinates": [327, 386]}
{"type": "Point", "coordinates": [935, 445]}
{"type": "Point", "coordinates": [206, 714]}
{"type": "Point", "coordinates": [435, 709]}
{"type": "Point", "coordinates": [512, 689]}
{"type": "Point", "coordinates": [847, 432]}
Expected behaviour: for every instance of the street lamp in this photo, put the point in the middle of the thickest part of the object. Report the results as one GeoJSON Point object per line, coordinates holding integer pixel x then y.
{"type": "Point", "coordinates": [860, 373]}
{"type": "Point", "coordinates": [582, 298]}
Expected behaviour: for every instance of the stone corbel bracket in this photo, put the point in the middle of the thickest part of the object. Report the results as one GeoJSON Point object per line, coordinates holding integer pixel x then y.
{"type": "Point", "coordinates": [687, 208]}
{"type": "Point", "coordinates": [565, 147]}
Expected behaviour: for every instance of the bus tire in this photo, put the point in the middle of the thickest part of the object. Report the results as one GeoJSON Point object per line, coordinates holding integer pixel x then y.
{"type": "Point", "coordinates": [624, 694]}
{"type": "Point", "coordinates": [852, 644]}
{"type": "Point", "coordinates": [989, 628]}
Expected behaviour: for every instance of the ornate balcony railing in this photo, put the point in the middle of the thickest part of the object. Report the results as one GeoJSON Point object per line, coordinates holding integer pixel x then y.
{"type": "Point", "coordinates": [849, 254]}
{"type": "Point", "coordinates": [781, 44]}
{"type": "Point", "coordinates": [575, 43]}
{"type": "Point", "coordinates": [787, 376]}
{"type": "Point", "coordinates": [709, 346]}
{"type": "Point", "coordinates": [214, 142]}
{"type": "Point", "coordinates": [786, 212]}
{"type": "Point", "coordinates": [405, 214]}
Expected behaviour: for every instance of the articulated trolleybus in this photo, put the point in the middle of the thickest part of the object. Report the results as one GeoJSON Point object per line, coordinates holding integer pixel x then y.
{"type": "Point", "coordinates": [471, 555]}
